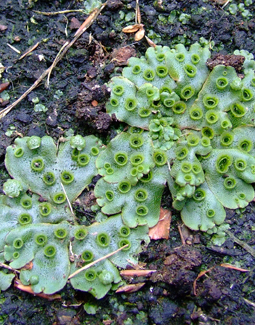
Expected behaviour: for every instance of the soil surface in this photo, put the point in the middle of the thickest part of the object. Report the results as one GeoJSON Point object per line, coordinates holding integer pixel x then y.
{"type": "Point", "coordinates": [75, 102]}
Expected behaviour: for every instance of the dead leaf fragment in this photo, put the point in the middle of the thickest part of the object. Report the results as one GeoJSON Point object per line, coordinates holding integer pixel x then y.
{"type": "Point", "coordinates": [132, 28]}
{"type": "Point", "coordinates": [229, 266]}
{"type": "Point", "coordinates": [16, 38]}
{"type": "Point", "coordinates": [4, 86]}
{"type": "Point", "coordinates": [75, 23]}
{"type": "Point", "coordinates": [133, 273]}
{"type": "Point", "coordinates": [137, 29]}
{"type": "Point", "coordinates": [94, 103]}
{"type": "Point", "coordinates": [28, 289]}
{"type": "Point", "coordinates": [121, 55]}
{"type": "Point", "coordinates": [107, 322]}
{"type": "Point", "coordinates": [3, 28]}
{"type": "Point", "coordinates": [150, 42]}
{"type": "Point", "coordinates": [140, 34]}
{"type": "Point", "coordinates": [161, 229]}
{"type": "Point", "coordinates": [220, 2]}
{"type": "Point", "coordinates": [202, 273]}
{"type": "Point", "coordinates": [131, 287]}
{"type": "Point", "coordinates": [28, 266]}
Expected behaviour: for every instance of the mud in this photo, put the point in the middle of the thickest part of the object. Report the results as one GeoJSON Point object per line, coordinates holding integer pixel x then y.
{"type": "Point", "coordinates": [76, 100]}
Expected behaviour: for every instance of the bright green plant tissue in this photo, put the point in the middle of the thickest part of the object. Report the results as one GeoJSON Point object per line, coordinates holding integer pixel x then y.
{"type": "Point", "coordinates": [190, 128]}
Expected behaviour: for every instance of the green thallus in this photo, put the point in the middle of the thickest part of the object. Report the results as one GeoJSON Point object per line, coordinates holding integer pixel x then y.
{"type": "Point", "coordinates": [189, 127]}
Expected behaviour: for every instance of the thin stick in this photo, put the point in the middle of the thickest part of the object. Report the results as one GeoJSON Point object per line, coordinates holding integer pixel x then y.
{"type": "Point", "coordinates": [54, 64]}
{"type": "Point", "coordinates": [52, 13]}
{"type": "Point", "coordinates": [29, 51]}
{"type": "Point", "coordinates": [168, 165]}
{"type": "Point", "coordinates": [68, 201]}
{"type": "Point", "coordinates": [232, 267]}
{"type": "Point", "coordinates": [225, 4]}
{"type": "Point", "coordinates": [35, 84]}
{"type": "Point", "coordinates": [9, 267]}
{"type": "Point", "coordinates": [247, 247]}
{"type": "Point", "coordinates": [95, 262]}
{"type": "Point", "coordinates": [249, 302]}
{"type": "Point", "coordinates": [137, 13]}
{"type": "Point", "coordinates": [94, 15]}
{"type": "Point", "coordinates": [181, 235]}
{"type": "Point", "coordinates": [13, 48]}
{"type": "Point", "coordinates": [133, 273]}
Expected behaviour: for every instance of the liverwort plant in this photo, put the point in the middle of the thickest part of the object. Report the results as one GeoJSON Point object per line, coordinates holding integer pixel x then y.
{"type": "Point", "coordinates": [189, 128]}
{"type": "Point", "coordinates": [201, 124]}
{"type": "Point", "coordinates": [39, 225]}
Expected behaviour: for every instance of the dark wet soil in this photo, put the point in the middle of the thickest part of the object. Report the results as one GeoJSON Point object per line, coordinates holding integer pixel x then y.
{"type": "Point", "coordinates": [76, 100]}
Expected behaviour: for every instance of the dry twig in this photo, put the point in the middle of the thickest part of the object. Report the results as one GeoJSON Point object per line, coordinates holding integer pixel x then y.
{"type": "Point", "coordinates": [129, 288]}
{"type": "Point", "coordinates": [202, 273]}
{"type": "Point", "coordinates": [68, 201]}
{"type": "Point", "coordinates": [8, 267]}
{"type": "Point", "coordinates": [181, 235]}
{"type": "Point", "coordinates": [244, 245]}
{"type": "Point", "coordinates": [89, 21]}
{"type": "Point", "coordinates": [29, 51]}
{"type": "Point", "coordinates": [28, 289]}
{"type": "Point", "coordinates": [133, 273]}
{"type": "Point", "coordinates": [52, 13]}
{"type": "Point", "coordinates": [97, 261]}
